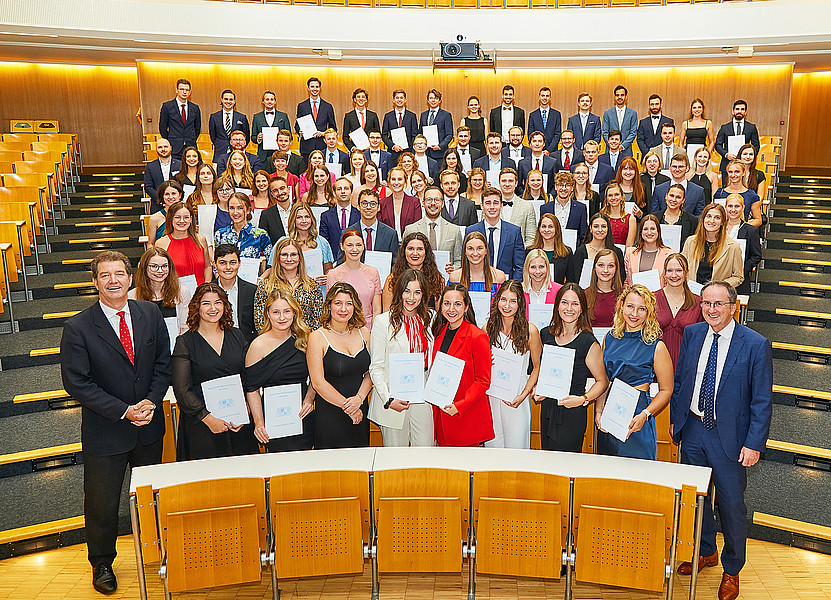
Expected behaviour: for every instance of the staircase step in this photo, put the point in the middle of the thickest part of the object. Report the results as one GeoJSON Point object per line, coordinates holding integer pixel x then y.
{"type": "Point", "coordinates": [798, 381]}
{"type": "Point", "coordinates": [791, 425]}
{"type": "Point", "coordinates": [114, 209]}
{"type": "Point", "coordinates": [801, 242]}
{"type": "Point", "coordinates": [61, 284]}
{"type": "Point", "coordinates": [16, 351]}
{"type": "Point", "coordinates": [78, 261]}
{"type": "Point", "coordinates": [788, 213]}
{"type": "Point", "coordinates": [41, 314]}
{"type": "Point", "coordinates": [36, 431]}
{"type": "Point", "coordinates": [812, 530]}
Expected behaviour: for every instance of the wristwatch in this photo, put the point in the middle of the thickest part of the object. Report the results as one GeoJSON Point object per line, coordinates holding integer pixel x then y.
{"type": "Point", "coordinates": [648, 414]}
{"type": "Point", "coordinates": [388, 402]}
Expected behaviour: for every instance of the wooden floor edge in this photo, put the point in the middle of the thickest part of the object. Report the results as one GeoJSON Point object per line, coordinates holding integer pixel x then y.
{"type": "Point", "coordinates": [800, 348]}
{"type": "Point", "coordinates": [792, 525]}
{"type": "Point", "coordinates": [799, 449]}
{"type": "Point", "coordinates": [47, 395]}
{"type": "Point", "coordinates": [7, 459]}
{"type": "Point", "coordinates": [41, 529]}
{"type": "Point", "coordinates": [784, 389]}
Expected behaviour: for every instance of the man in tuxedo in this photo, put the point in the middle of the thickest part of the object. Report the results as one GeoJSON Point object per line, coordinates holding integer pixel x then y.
{"type": "Point", "coordinates": [506, 115]}
{"type": "Point", "coordinates": [667, 148]}
{"type": "Point", "coordinates": [240, 292]}
{"type": "Point", "coordinates": [359, 118]}
{"type": "Point", "coordinates": [614, 153]}
{"type": "Point", "coordinates": [721, 410]}
{"type": "Point", "coordinates": [381, 158]}
{"type": "Point", "coordinates": [546, 120]}
{"type": "Point", "coordinates": [423, 162]}
{"type": "Point", "coordinates": [275, 219]}
{"type": "Point", "coordinates": [493, 162]}
{"type": "Point", "coordinates": [738, 126]}
{"type": "Point", "coordinates": [323, 114]}
{"type": "Point", "coordinates": [441, 233]}
{"type": "Point", "coordinates": [443, 120]}
{"type": "Point", "coordinates": [238, 142]}
{"type": "Point", "coordinates": [180, 121]}
{"type": "Point", "coordinates": [399, 117]}
{"type": "Point", "coordinates": [296, 164]}
{"type": "Point", "coordinates": [516, 210]}
{"type": "Point", "coordinates": [115, 362]}
{"type": "Point", "coordinates": [343, 215]}
{"type": "Point", "coordinates": [223, 122]}
{"type": "Point", "coordinates": [516, 150]}
{"type": "Point", "coordinates": [585, 125]}
{"type": "Point", "coordinates": [694, 201]}
{"type": "Point", "coordinates": [649, 129]}
{"type": "Point", "coordinates": [467, 154]}
{"type": "Point", "coordinates": [458, 209]}
{"type": "Point", "coordinates": [567, 155]}
{"type": "Point", "coordinates": [268, 117]}
{"type": "Point", "coordinates": [599, 173]}
{"type": "Point", "coordinates": [335, 159]}
{"type": "Point", "coordinates": [158, 171]}
{"type": "Point", "coordinates": [539, 161]}
{"type": "Point", "coordinates": [569, 212]}
{"type": "Point", "coordinates": [376, 235]}
{"type": "Point", "coordinates": [622, 118]}
{"type": "Point", "coordinates": [504, 240]}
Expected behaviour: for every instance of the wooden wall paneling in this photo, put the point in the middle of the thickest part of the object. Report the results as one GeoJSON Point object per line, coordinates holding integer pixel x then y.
{"type": "Point", "coordinates": [809, 137]}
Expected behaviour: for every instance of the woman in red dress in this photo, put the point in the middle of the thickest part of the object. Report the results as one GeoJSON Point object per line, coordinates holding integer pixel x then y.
{"type": "Point", "coordinates": [676, 304]}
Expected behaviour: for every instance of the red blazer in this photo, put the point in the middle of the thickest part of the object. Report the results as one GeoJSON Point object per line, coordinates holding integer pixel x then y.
{"type": "Point", "coordinates": [474, 423]}
{"type": "Point", "coordinates": [410, 211]}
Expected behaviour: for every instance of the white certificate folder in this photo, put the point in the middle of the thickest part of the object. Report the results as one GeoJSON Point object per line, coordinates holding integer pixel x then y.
{"type": "Point", "coordinates": [406, 380]}
{"type": "Point", "coordinates": [444, 379]}
{"type": "Point", "coordinates": [281, 405]}
{"type": "Point", "coordinates": [225, 399]}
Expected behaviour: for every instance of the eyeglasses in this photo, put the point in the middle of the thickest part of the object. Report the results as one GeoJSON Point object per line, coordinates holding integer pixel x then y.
{"type": "Point", "coordinates": [225, 190]}
{"type": "Point", "coordinates": [159, 268]}
{"type": "Point", "coordinates": [564, 185]}
{"type": "Point", "coordinates": [718, 304]}
{"type": "Point", "coordinates": [370, 204]}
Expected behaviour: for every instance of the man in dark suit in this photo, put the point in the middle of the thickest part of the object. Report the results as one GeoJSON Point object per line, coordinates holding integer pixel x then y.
{"type": "Point", "coordinates": [694, 201]}
{"type": "Point", "coordinates": [546, 120]}
{"type": "Point", "coordinates": [115, 361]}
{"type": "Point", "coordinates": [359, 118]}
{"type": "Point", "coordinates": [721, 410]}
{"type": "Point", "coordinates": [506, 115]}
{"type": "Point", "coordinates": [340, 217]}
{"type": "Point", "coordinates": [649, 129]}
{"type": "Point", "coordinates": [296, 164]}
{"type": "Point", "coordinates": [614, 152]}
{"type": "Point", "coordinates": [622, 118]}
{"type": "Point", "coordinates": [571, 213]}
{"type": "Point", "coordinates": [323, 114]}
{"type": "Point", "coordinates": [458, 209]}
{"type": "Point", "coordinates": [223, 122]}
{"type": "Point", "coordinates": [538, 160]}
{"type": "Point", "coordinates": [268, 117]}
{"type": "Point", "coordinates": [240, 292]}
{"type": "Point", "coordinates": [158, 171]}
{"type": "Point", "coordinates": [180, 121]}
{"type": "Point", "coordinates": [238, 143]}
{"type": "Point", "coordinates": [515, 150]}
{"type": "Point", "coordinates": [585, 124]}
{"type": "Point", "coordinates": [738, 126]}
{"type": "Point", "coordinates": [441, 233]}
{"type": "Point", "coordinates": [493, 162]}
{"type": "Point", "coordinates": [399, 117]}
{"type": "Point", "coordinates": [504, 240]}
{"type": "Point", "coordinates": [599, 173]}
{"type": "Point", "coordinates": [467, 153]}
{"type": "Point", "coordinates": [567, 155]}
{"type": "Point", "coordinates": [376, 235]}
{"type": "Point", "coordinates": [666, 148]}
{"type": "Point", "coordinates": [443, 121]}
{"type": "Point", "coordinates": [275, 219]}
{"type": "Point", "coordinates": [335, 159]}
{"type": "Point", "coordinates": [381, 158]}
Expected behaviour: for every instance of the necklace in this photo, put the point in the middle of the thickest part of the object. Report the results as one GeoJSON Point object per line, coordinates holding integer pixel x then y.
{"type": "Point", "coordinates": [347, 332]}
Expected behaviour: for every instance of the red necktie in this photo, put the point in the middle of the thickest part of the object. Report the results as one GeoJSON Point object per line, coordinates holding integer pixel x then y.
{"type": "Point", "coordinates": [314, 110]}
{"type": "Point", "coordinates": [184, 115]}
{"type": "Point", "coordinates": [567, 162]}
{"type": "Point", "coordinates": [363, 122]}
{"type": "Point", "coordinates": [399, 119]}
{"type": "Point", "coordinates": [124, 335]}
{"type": "Point", "coordinates": [369, 238]}
{"type": "Point", "coordinates": [538, 164]}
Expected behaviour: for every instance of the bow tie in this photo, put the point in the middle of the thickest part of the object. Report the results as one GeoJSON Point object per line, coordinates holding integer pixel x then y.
{"type": "Point", "coordinates": [656, 116]}
{"type": "Point", "coordinates": [507, 203]}
{"type": "Point", "coordinates": [269, 113]}
{"type": "Point", "coordinates": [506, 108]}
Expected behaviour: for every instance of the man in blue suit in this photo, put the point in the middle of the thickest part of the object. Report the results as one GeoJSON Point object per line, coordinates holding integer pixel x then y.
{"type": "Point", "coordinates": [223, 122]}
{"type": "Point", "coordinates": [381, 158]}
{"type": "Point", "coordinates": [622, 118]}
{"type": "Point", "coordinates": [494, 161]}
{"type": "Point", "coordinates": [599, 173]}
{"type": "Point", "coordinates": [376, 235]}
{"type": "Point", "coordinates": [721, 409]}
{"type": "Point", "coordinates": [180, 120]}
{"type": "Point", "coordinates": [546, 120]}
{"type": "Point", "coordinates": [334, 221]}
{"type": "Point", "coordinates": [335, 159]}
{"type": "Point", "coordinates": [538, 161]}
{"type": "Point", "coordinates": [504, 240]}
{"type": "Point", "coordinates": [585, 124]}
{"type": "Point", "coordinates": [649, 129]}
{"type": "Point", "coordinates": [571, 213]}
{"type": "Point", "coordinates": [398, 117]}
{"type": "Point", "coordinates": [443, 120]}
{"type": "Point", "coordinates": [614, 151]}
{"type": "Point", "coordinates": [158, 171]}
{"type": "Point", "coordinates": [323, 114]}
{"type": "Point", "coordinates": [694, 201]}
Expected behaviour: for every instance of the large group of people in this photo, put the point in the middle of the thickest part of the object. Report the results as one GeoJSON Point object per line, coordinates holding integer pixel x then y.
{"type": "Point", "coordinates": [364, 255]}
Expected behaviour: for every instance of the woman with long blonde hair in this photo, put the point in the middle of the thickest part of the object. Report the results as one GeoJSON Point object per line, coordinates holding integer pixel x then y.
{"type": "Point", "coordinates": [239, 170]}
{"type": "Point", "coordinates": [711, 253]}
{"type": "Point", "coordinates": [477, 274]}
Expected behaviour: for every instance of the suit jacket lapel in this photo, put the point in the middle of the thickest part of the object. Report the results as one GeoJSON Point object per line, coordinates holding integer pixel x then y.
{"type": "Point", "coordinates": [732, 352]}
{"type": "Point", "coordinates": [107, 333]}
{"type": "Point", "coordinates": [461, 334]}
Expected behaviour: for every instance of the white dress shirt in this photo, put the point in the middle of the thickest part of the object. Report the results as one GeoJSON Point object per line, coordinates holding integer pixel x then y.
{"type": "Point", "coordinates": [284, 217]}
{"type": "Point", "coordinates": [655, 120]}
{"type": "Point", "coordinates": [165, 169]}
{"type": "Point", "coordinates": [233, 298]}
{"type": "Point", "coordinates": [613, 158]}
{"type": "Point", "coordinates": [230, 116]}
{"type": "Point", "coordinates": [562, 212]}
{"type": "Point", "coordinates": [422, 163]}
{"type": "Point", "coordinates": [497, 234]}
{"type": "Point", "coordinates": [270, 115]}
{"type": "Point", "coordinates": [464, 156]}
{"type": "Point", "coordinates": [115, 320]}
{"type": "Point", "coordinates": [507, 121]}
{"type": "Point", "coordinates": [725, 335]}
{"type": "Point", "coordinates": [374, 229]}
{"type": "Point", "coordinates": [515, 153]}
{"type": "Point", "coordinates": [375, 156]}
{"type": "Point", "coordinates": [584, 118]}
{"type": "Point", "coordinates": [358, 114]}
{"type": "Point", "coordinates": [535, 298]}
{"type": "Point", "coordinates": [185, 105]}
{"type": "Point", "coordinates": [620, 112]}
{"type": "Point", "coordinates": [735, 123]}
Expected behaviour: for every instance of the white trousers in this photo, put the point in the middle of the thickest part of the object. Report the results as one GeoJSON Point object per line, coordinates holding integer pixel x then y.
{"type": "Point", "coordinates": [511, 426]}
{"type": "Point", "coordinates": [417, 429]}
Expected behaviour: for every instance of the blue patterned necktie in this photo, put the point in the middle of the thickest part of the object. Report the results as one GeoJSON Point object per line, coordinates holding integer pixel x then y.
{"type": "Point", "coordinates": [544, 118]}
{"type": "Point", "coordinates": [707, 396]}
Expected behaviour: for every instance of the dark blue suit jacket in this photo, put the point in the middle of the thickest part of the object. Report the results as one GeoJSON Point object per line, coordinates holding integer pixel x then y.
{"type": "Point", "coordinates": [329, 226]}
{"type": "Point", "coordinates": [548, 167]}
{"type": "Point", "coordinates": [576, 157]}
{"type": "Point", "coordinates": [174, 131]}
{"type": "Point", "coordinates": [340, 157]}
{"type": "Point", "coordinates": [511, 252]}
{"type": "Point", "coordinates": [386, 240]}
{"type": "Point", "coordinates": [593, 130]}
{"type": "Point", "coordinates": [577, 217]}
{"type": "Point", "coordinates": [253, 159]}
{"type": "Point", "coordinates": [216, 129]}
{"type": "Point", "coordinates": [551, 130]}
{"type": "Point", "coordinates": [743, 398]}
{"type": "Point", "coordinates": [444, 122]}
{"type": "Point", "coordinates": [483, 163]}
{"type": "Point", "coordinates": [751, 136]}
{"type": "Point", "coordinates": [606, 159]}
{"type": "Point", "coordinates": [410, 124]}
{"type": "Point", "coordinates": [325, 120]}
{"type": "Point", "coordinates": [646, 138]}
{"type": "Point", "coordinates": [153, 178]}
{"type": "Point", "coordinates": [694, 201]}
{"type": "Point", "coordinates": [386, 162]}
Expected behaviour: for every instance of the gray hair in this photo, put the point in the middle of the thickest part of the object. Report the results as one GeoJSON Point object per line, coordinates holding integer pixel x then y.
{"type": "Point", "coordinates": [731, 291]}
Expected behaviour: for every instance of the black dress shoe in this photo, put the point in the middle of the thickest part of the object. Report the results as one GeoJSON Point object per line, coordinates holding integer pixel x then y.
{"type": "Point", "coordinates": [103, 579]}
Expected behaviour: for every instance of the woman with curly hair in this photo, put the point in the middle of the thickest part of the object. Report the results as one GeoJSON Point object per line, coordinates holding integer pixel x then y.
{"type": "Point", "coordinates": [211, 348]}
{"type": "Point", "coordinates": [415, 253]}
{"type": "Point", "coordinates": [634, 353]}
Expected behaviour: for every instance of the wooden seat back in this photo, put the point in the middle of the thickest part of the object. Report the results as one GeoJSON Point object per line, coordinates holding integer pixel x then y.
{"type": "Point", "coordinates": [27, 138]}
{"type": "Point", "coordinates": [15, 146]}
{"type": "Point", "coordinates": [20, 211]}
{"type": "Point", "coordinates": [37, 181]}
{"type": "Point", "coordinates": [11, 155]}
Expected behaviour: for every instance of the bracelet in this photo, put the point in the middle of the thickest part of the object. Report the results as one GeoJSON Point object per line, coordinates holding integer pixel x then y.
{"type": "Point", "coordinates": [585, 400]}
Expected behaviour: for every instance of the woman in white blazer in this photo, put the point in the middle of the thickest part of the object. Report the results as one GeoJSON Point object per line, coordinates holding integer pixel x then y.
{"type": "Point", "coordinates": [405, 328]}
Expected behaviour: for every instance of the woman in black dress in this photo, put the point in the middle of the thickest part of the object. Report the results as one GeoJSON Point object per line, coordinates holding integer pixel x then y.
{"type": "Point", "coordinates": [338, 359]}
{"type": "Point", "coordinates": [549, 239]}
{"type": "Point", "coordinates": [563, 420]}
{"type": "Point", "coordinates": [211, 348]}
{"type": "Point", "coordinates": [278, 357]}
{"type": "Point", "coordinates": [476, 122]}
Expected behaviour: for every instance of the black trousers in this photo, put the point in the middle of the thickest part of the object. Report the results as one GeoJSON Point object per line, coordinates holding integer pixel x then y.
{"type": "Point", "coordinates": [103, 479]}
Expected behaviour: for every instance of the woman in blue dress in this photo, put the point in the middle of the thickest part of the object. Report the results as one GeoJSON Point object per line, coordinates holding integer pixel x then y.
{"type": "Point", "coordinates": [634, 353]}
